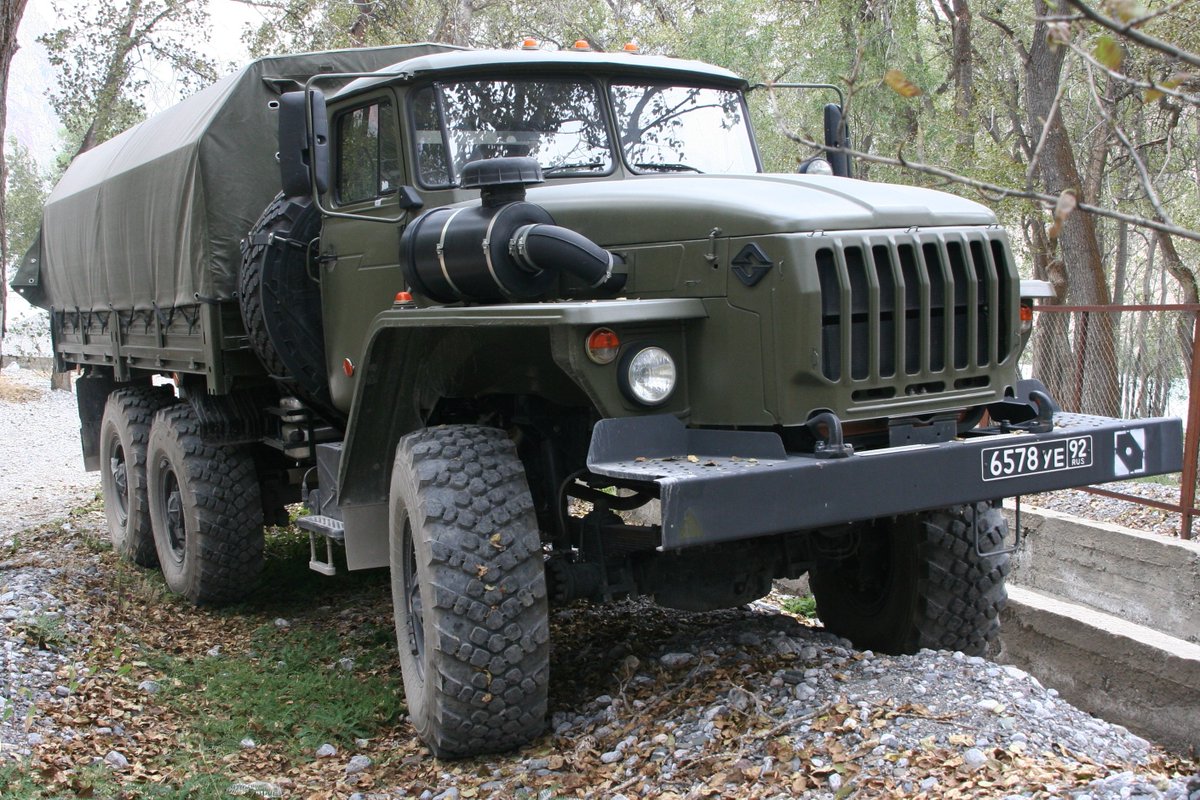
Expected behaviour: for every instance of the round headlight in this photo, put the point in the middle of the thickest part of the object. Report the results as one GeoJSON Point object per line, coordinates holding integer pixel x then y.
{"type": "Point", "coordinates": [650, 375]}
{"type": "Point", "coordinates": [815, 166]}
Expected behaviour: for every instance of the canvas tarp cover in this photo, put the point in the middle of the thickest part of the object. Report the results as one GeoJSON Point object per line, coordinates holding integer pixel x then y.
{"type": "Point", "coordinates": [155, 216]}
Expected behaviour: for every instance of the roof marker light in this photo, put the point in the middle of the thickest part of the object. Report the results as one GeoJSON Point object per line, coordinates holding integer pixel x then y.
{"type": "Point", "coordinates": [631, 47]}
{"type": "Point", "coordinates": [581, 44]}
{"type": "Point", "coordinates": [530, 44]}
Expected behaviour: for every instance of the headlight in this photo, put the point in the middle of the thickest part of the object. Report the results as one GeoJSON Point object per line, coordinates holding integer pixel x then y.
{"type": "Point", "coordinates": [650, 376]}
{"type": "Point", "coordinates": [815, 166]}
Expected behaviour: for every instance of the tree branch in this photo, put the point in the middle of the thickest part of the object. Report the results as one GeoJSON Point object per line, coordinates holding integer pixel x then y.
{"type": "Point", "coordinates": [1128, 30]}
{"type": "Point", "coordinates": [993, 191]}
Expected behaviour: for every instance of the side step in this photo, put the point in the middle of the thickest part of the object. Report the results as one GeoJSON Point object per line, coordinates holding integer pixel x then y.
{"type": "Point", "coordinates": [331, 530]}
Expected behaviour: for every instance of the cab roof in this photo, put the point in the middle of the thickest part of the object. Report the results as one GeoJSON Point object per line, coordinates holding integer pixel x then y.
{"type": "Point", "coordinates": [542, 62]}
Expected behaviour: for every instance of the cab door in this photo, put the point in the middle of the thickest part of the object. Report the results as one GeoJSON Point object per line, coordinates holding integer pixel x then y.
{"type": "Point", "coordinates": [359, 254]}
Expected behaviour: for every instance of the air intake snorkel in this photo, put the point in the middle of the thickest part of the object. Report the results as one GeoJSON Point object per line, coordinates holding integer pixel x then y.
{"type": "Point", "coordinates": [503, 249]}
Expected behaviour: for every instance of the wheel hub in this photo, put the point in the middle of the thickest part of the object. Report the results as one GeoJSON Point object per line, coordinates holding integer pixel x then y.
{"type": "Point", "coordinates": [176, 531]}
{"type": "Point", "coordinates": [120, 476]}
{"type": "Point", "coordinates": [412, 602]}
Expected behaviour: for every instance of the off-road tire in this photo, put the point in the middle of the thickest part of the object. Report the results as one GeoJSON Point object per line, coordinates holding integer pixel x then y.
{"type": "Point", "coordinates": [468, 591]}
{"type": "Point", "coordinates": [287, 218]}
{"type": "Point", "coordinates": [919, 582]}
{"type": "Point", "coordinates": [124, 429]}
{"type": "Point", "coordinates": [205, 510]}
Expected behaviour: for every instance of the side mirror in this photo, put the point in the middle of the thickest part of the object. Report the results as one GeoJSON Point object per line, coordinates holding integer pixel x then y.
{"type": "Point", "coordinates": [303, 163]}
{"type": "Point", "coordinates": [837, 134]}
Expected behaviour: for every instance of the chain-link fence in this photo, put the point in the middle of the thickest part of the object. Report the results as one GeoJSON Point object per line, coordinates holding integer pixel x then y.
{"type": "Point", "coordinates": [1124, 361]}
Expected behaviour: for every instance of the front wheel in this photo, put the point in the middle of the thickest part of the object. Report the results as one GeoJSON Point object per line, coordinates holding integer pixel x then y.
{"type": "Point", "coordinates": [468, 591]}
{"type": "Point", "coordinates": [919, 582]}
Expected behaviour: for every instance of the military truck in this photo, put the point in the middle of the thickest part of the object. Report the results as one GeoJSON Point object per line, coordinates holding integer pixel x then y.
{"type": "Point", "coordinates": [472, 308]}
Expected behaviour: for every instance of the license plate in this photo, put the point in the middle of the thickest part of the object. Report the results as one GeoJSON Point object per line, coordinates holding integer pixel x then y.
{"type": "Point", "coordinates": [1035, 458]}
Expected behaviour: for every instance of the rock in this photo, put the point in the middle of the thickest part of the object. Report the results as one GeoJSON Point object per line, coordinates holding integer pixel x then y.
{"type": "Point", "coordinates": [835, 782]}
{"type": "Point", "coordinates": [34, 739]}
{"type": "Point", "coordinates": [247, 744]}
{"type": "Point", "coordinates": [214, 651]}
{"type": "Point", "coordinates": [62, 691]}
{"type": "Point", "coordinates": [974, 758]}
{"type": "Point", "coordinates": [282, 623]}
{"type": "Point", "coordinates": [449, 794]}
{"type": "Point", "coordinates": [116, 760]}
{"type": "Point", "coordinates": [677, 660]}
{"type": "Point", "coordinates": [149, 687]}
{"type": "Point", "coordinates": [326, 751]}
{"type": "Point", "coordinates": [611, 757]}
{"type": "Point", "coordinates": [357, 764]}
{"type": "Point", "coordinates": [346, 664]}
{"type": "Point", "coordinates": [930, 782]}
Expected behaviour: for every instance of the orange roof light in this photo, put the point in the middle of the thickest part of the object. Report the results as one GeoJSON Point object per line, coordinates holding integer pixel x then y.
{"type": "Point", "coordinates": [530, 43]}
{"type": "Point", "coordinates": [631, 47]}
{"type": "Point", "coordinates": [581, 44]}
{"type": "Point", "coordinates": [1026, 313]}
{"type": "Point", "coordinates": [403, 297]}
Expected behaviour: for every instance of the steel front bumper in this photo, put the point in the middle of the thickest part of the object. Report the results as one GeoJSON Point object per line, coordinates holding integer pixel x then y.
{"type": "Point", "coordinates": [719, 485]}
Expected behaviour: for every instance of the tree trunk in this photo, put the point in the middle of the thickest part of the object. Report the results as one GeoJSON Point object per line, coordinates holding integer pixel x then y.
{"type": "Point", "coordinates": [964, 73]}
{"type": "Point", "coordinates": [1185, 325]}
{"type": "Point", "coordinates": [1095, 340]}
{"type": "Point", "coordinates": [1052, 333]}
{"type": "Point", "coordinates": [10, 20]}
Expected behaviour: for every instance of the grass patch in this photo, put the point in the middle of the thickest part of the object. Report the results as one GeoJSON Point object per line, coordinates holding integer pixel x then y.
{"type": "Point", "coordinates": [805, 606]}
{"type": "Point", "coordinates": [46, 631]}
{"type": "Point", "coordinates": [288, 689]}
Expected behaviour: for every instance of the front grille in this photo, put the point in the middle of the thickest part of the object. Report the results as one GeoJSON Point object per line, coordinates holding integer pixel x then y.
{"type": "Point", "coordinates": [915, 304]}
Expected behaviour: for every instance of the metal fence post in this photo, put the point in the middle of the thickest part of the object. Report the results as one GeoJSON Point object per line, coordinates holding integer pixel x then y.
{"type": "Point", "coordinates": [1191, 439]}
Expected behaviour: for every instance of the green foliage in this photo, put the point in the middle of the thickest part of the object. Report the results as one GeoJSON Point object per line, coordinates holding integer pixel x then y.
{"type": "Point", "coordinates": [289, 689]}
{"type": "Point", "coordinates": [805, 606]}
{"type": "Point", "coordinates": [105, 56]}
{"type": "Point", "coordinates": [27, 188]}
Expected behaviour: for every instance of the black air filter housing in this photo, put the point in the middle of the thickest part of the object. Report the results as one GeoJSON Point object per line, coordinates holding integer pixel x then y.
{"type": "Point", "coordinates": [503, 249]}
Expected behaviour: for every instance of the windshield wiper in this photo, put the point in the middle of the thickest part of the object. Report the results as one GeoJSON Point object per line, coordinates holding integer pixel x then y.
{"type": "Point", "coordinates": [588, 165]}
{"type": "Point", "coordinates": [669, 167]}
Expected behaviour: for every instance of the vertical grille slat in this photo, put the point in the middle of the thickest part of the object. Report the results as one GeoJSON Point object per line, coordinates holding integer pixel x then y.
{"type": "Point", "coordinates": [915, 304]}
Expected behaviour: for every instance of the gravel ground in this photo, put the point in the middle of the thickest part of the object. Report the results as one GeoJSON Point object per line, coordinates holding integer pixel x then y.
{"type": "Point", "coordinates": [645, 702]}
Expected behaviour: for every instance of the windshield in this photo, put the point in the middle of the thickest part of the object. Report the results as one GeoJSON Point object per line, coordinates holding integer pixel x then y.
{"type": "Point", "coordinates": [682, 129]}
{"type": "Point", "coordinates": [560, 123]}
{"type": "Point", "coordinates": [564, 125]}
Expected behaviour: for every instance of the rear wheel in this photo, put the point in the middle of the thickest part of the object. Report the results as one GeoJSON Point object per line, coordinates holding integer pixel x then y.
{"type": "Point", "coordinates": [919, 583]}
{"type": "Point", "coordinates": [205, 511]}
{"type": "Point", "coordinates": [468, 591]}
{"type": "Point", "coordinates": [124, 430]}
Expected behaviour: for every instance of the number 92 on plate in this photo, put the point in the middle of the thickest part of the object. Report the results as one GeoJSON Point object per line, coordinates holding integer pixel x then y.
{"type": "Point", "coordinates": [1033, 458]}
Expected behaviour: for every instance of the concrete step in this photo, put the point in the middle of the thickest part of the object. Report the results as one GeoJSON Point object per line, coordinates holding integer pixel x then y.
{"type": "Point", "coordinates": [1146, 578]}
{"type": "Point", "coordinates": [1126, 673]}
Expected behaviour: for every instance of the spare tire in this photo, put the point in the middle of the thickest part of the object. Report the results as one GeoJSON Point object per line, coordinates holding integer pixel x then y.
{"type": "Point", "coordinates": [280, 295]}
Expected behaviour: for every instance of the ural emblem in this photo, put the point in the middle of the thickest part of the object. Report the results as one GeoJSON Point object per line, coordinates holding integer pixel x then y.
{"type": "Point", "coordinates": [751, 265]}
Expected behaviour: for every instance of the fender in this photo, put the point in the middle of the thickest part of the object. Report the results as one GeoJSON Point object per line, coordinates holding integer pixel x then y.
{"type": "Point", "coordinates": [415, 356]}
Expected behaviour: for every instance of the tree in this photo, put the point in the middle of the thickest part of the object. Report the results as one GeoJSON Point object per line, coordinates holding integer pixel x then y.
{"type": "Point", "coordinates": [10, 20]}
{"type": "Point", "coordinates": [106, 59]}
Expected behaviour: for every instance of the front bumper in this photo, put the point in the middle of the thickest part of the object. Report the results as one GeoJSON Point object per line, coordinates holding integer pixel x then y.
{"type": "Point", "coordinates": [721, 485]}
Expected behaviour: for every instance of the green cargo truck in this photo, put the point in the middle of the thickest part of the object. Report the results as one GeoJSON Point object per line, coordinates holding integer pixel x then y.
{"type": "Point", "coordinates": [473, 307]}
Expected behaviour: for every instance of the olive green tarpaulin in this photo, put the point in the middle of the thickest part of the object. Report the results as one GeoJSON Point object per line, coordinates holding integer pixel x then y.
{"type": "Point", "coordinates": [154, 216]}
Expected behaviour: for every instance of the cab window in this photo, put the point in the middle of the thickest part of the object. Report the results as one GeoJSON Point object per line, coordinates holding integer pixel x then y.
{"type": "Point", "coordinates": [368, 157]}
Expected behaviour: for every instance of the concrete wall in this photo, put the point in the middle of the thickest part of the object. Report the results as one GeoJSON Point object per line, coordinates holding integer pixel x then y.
{"type": "Point", "coordinates": [1110, 617]}
{"type": "Point", "coordinates": [1149, 579]}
